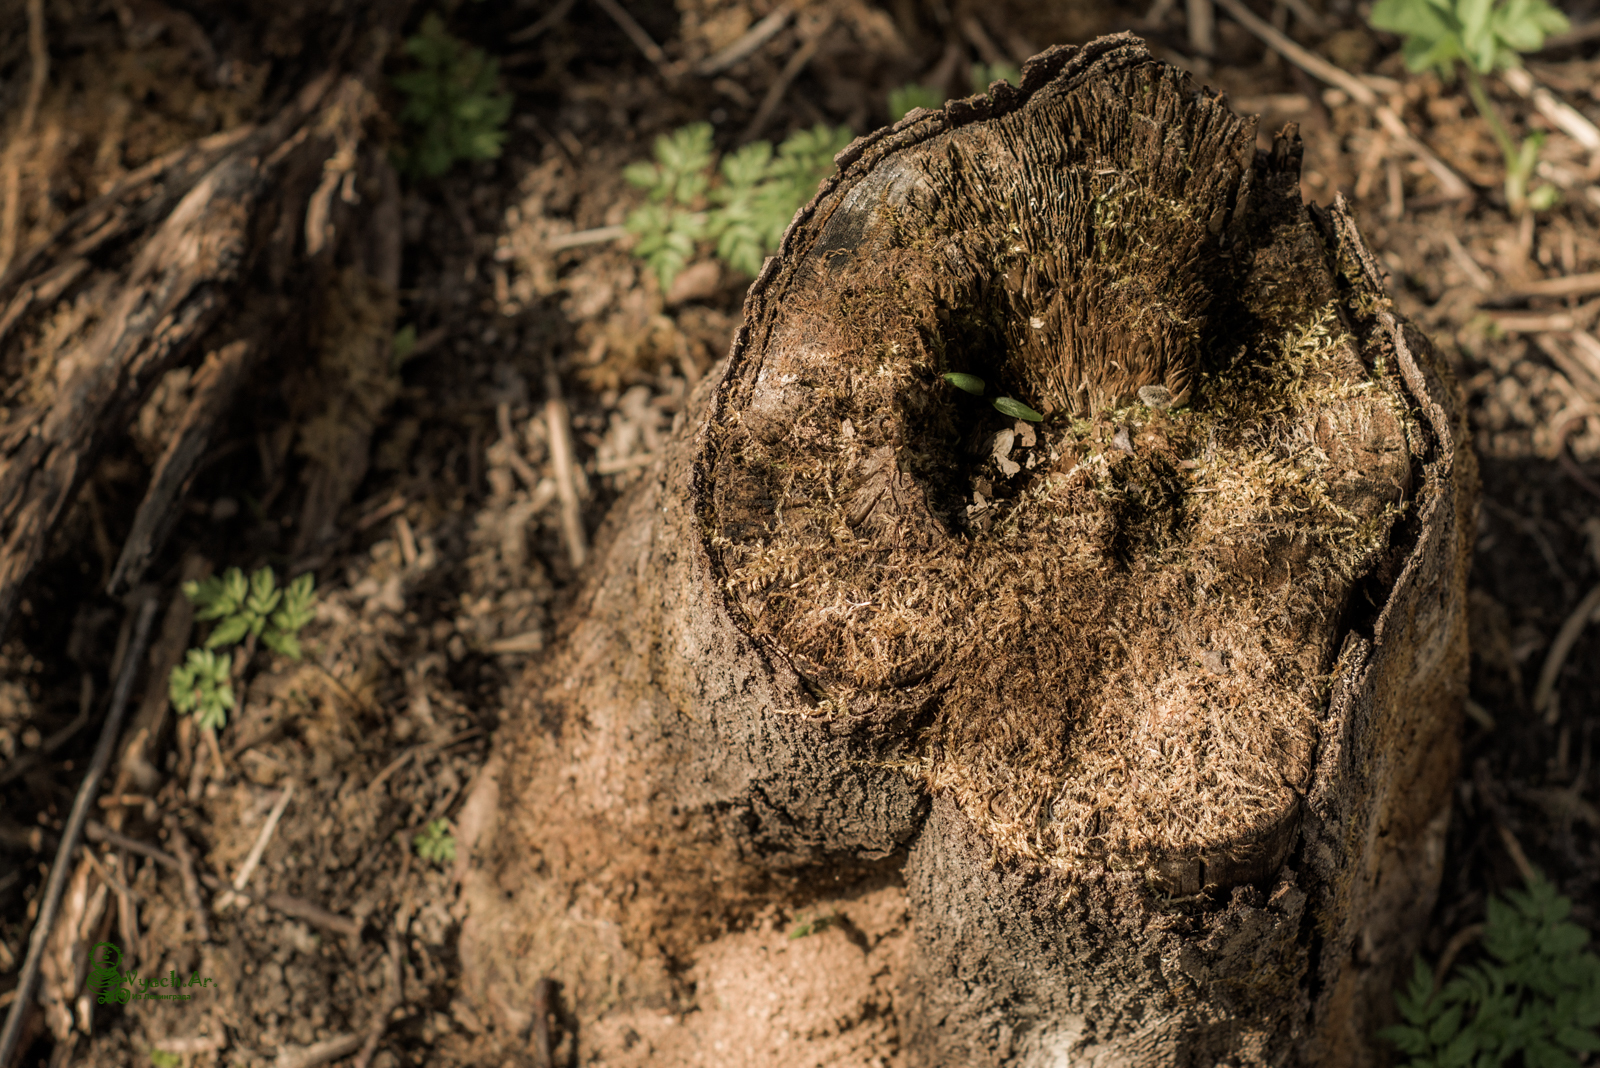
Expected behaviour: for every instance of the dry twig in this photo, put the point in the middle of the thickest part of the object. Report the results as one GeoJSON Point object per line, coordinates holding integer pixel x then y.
{"type": "Point", "coordinates": [21, 138]}
{"type": "Point", "coordinates": [248, 868]}
{"type": "Point", "coordinates": [560, 432]}
{"type": "Point", "coordinates": [791, 71]}
{"type": "Point", "coordinates": [74, 827]}
{"type": "Point", "coordinates": [191, 885]}
{"type": "Point", "coordinates": [1544, 694]}
{"type": "Point", "coordinates": [1451, 183]}
{"type": "Point", "coordinates": [753, 38]}
{"type": "Point", "coordinates": [636, 34]}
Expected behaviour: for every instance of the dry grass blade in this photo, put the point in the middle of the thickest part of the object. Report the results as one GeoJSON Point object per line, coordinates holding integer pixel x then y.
{"type": "Point", "coordinates": [543, 23]}
{"type": "Point", "coordinates": [1565, 117]}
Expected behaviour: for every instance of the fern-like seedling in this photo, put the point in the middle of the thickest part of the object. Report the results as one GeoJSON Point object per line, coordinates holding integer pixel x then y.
{"type": "Point", "coordinates": [242, 608]}
{"type": "Point", "coordinates": [745, 212]}
{"type": "Point", "coordinates": [435, 844]}
{"type": "Point", "coordinates": [1537, 995]}
{"type": "Point", "coordinates": [201, 684]}
{"type": "Point", "coordinates": [451, 103]}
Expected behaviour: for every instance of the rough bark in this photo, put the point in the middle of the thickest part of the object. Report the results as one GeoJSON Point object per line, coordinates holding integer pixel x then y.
{"type": "Point", "coordinates": [1188, 761]}
{"type": "Point", "coordinates": [203, 250]}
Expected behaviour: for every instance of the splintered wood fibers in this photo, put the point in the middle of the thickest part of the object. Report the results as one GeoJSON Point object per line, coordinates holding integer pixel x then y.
{"type": "Point", "coordinates": [1110, 633]}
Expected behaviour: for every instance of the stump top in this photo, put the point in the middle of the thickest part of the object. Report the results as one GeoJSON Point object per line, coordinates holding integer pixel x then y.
{"type": "Point", "coordinates": [1107, 634]}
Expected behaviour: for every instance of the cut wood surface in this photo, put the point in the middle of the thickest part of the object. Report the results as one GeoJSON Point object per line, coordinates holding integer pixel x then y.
{"type": "Point", "coordinates": [1153, 701]}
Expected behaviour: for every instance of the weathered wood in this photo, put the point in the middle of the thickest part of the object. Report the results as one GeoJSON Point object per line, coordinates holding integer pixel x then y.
{"type": "Point", "coordinates": [1183, 688]}
{"type": "Point", "coordinates": [207, 247]}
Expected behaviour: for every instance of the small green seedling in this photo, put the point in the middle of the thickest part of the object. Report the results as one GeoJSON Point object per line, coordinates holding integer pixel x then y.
{"type": "Point", "coordinates": [1536, 994]}
{"type": "Point", "coordinates": [1483, 36]}
{"type": "Point", "coordinates": [744, 205]}
{"type": "Point", "coordinates": [254, 609]}
{"type": "Point", "coordinates": [435, 844]}
{"type": "Point", "coordinates": [203, 683]}
{"type": "Point", "coordinates": [1004, 405]}
{"type": "Point", "coordinates": [811, 925]}
{"type": "Point", "coordinates": [160, 1058]}
{"type": "Point", "coordinates": [451, 105]}
{"type": "Point", "coordinates": [243, 608]}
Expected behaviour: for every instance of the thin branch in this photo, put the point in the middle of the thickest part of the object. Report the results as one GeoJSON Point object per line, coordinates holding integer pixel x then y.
{"type": "Point", "coordinates": [636, 34]}
{"type": "Point", "coordinates": [1544, 694]}
{"type": "Point", "coordinates": [791, 71]}
{"type": "Point", "coordinates": [555, 15]}
{"type": "Point", "coordinates": [753, 38]}
{"type": "Point", "coordinates": [74, 828]}
{"type": "Point", "coordinates": [11, 180]}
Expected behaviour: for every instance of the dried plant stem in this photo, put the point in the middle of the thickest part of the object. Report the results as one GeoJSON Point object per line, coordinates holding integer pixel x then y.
{"type": "Point", "coordinates": [191, 885]}
{"type": "Point", "coordinates": [635, 32]}
{"type": "Point", "coordinates": [560, 427]}
{"type": "Point", "coordinates": [11, 174]}
{"type": "Point", "coordinates": [74, 828]}
{"type": "Point", "coordinates": [791, 71]}
{"type": "Point", "coordinates": [753, 38]}
{"type": "Point", "coordinates": [1453, 185]}
{"type": "Point", "coordinates": [248, 868]}
{"type": "Point", "coordinates": [1544, 694]}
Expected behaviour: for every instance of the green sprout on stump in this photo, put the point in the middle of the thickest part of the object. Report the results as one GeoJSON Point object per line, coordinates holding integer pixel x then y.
{"type": "Point", "coordinates": [1536, 994]}
{"type": "Point", "coordinates": [435, 844]}
{"type": "Point", "coordinates": [1484, 36]}
{"type": "Point", "coordinates": [743, 206]}
{"type": "Point", "coordinates": [451, 105]}
{"type": "Point", "coordinates": [246, 609]}
{"type": "Point", "coordinates": [1004, 405]}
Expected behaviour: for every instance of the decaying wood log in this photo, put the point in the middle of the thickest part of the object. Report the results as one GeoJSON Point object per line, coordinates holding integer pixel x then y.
{"type": "Point", "coordinates": [233, 245]}
{"type": "Point", "coordinates": [1179, 667]}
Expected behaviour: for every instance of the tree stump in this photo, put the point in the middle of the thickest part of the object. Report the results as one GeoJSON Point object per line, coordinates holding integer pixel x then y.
{"type": "Point", "coordinates": [1155, 700]}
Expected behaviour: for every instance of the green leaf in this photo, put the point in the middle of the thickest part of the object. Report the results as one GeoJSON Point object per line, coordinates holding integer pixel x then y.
{"type": "Point", "coordinates": [201, 684]}
{"type": "Point", "coordinates": [228, 631]}
{"type": "Point", "coordinates": [1017, 410]}
{"type": "Point", "coordinates": [435, 844]}
{"type": "Point", "coordinates": [986, 74]}
{"type": "Point", "coordinates": [1406, 1039]}
{"type": "Point", "coordinates": [970, 383]}
{"type": "Point", "coordinates": [906, 99]}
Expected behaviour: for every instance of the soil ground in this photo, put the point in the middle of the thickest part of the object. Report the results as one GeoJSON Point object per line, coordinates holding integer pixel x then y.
{"type": "Point", "coordinates": [453, 573]}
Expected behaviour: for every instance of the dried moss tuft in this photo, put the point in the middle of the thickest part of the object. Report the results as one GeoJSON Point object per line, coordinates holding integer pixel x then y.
{"type": "Point", "coordinates": [1108, 635]}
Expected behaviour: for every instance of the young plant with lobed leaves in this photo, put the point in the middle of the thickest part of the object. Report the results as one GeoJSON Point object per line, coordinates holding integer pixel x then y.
{"type": "Point", "coordinates": [252, 609]}
{"type": "Point", "coordinates": [743, 207]}
{"type": "Point", "coordinates": [1535, 997]}
{"type": "Point", "coordinates": [451, 104]}
{"type": "Point", "coordinates": [436, 844]}
{"type": "Point", "coordinates": [1481, 37]}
